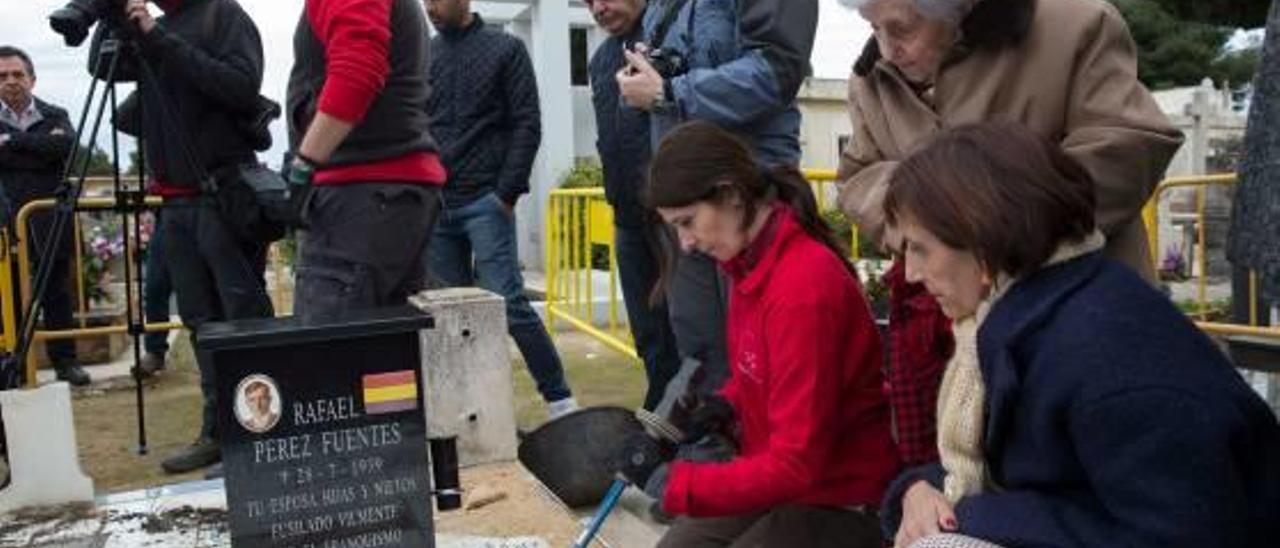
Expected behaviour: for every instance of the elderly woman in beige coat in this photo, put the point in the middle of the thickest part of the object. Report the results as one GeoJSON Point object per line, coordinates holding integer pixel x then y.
{"type": "Point", "coordinates": [1065, 68]}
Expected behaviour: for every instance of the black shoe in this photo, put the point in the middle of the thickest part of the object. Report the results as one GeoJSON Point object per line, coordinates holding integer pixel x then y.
{"type": "Point", "coordinates": [72, 373]}
{"type": "Point", "coordinates": [214, 472]}
{"type": "Point", "coordinates": [150, 364]}
{"type": "Point", "coordinates": [198, 455]}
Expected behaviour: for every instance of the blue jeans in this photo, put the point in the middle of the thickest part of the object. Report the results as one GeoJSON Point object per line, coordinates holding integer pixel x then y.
{"type": "Point", "coordinates": [638, 270]}
{"type": "Point", "coordinates": [156, 291]}
{"type": "Point", "coordinates": [476, 245]}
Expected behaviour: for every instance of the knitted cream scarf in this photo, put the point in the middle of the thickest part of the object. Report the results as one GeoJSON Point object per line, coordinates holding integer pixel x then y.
{"type": "Point", "coordinates": [962, 396]}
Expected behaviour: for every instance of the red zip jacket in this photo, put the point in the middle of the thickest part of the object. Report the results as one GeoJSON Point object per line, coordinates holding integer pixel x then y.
{"type": "Point", "coordinates": [805, 387]}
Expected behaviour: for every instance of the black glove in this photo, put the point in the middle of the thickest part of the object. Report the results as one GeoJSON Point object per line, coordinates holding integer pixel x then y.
{"type": "Point", "coordinates": [641, 455]}
{"type": "Point", "coordinates": [710, 415]}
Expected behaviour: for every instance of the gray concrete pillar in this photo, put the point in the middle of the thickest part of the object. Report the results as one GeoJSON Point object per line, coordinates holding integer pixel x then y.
{"type": "Point", "coordinates": [466, 366]}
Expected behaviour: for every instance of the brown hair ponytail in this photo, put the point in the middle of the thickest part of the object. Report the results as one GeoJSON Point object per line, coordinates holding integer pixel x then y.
{"type": "Point", "coordinates": [700, 162]}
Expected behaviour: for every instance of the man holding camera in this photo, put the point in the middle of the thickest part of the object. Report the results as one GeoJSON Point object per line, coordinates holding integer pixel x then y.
{"type": "Point", "coordinates": [484, 109]}
{"type": "Point", "coordinates": [739, 65]}
{"type": "Point", "coordinates": [205, 60]}
{"type": "Point", "coordinates": [362, 145]}
{"type": "Point", "coordinates": [623, 143]}
{"type": "Point", "coordinates": [35, 140]}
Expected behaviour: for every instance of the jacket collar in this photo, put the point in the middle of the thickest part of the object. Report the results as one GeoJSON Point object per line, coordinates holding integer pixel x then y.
{"type": "Point", "coordinates": [992, 24]}
{"type": "Point", "coordinates": [1028, 305]}
{"type": "Point", "coordinates": [477, 23]}
{"type": "Point", "coordinates": [751, 267]}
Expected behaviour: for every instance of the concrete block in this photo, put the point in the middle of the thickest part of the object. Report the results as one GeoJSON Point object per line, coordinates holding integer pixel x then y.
{"type": "Point", "coordinates": [44, 465]}
{"type": "Point", "coordinates": [466, 364]}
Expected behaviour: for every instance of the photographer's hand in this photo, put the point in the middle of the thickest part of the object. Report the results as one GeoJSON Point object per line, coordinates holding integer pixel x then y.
{"type": "Point", "coordinates": [136, 11]}
{"type": "Point", "coordinates": [641, 86]}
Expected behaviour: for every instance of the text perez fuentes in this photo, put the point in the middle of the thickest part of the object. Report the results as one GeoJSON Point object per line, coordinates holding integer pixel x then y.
{"type": "Point", "coordinates": [331, 442]}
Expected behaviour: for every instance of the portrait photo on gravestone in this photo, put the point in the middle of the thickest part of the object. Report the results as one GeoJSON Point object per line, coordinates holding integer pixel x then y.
{"type": "Point", "coordinates": [324, 434]}
{"type": "Point", "coordinates": [257, 403]}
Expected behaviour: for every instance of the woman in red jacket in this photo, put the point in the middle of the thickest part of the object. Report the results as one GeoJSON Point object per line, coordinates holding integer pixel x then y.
{"type": "Point", "coordinates": [809, 418]}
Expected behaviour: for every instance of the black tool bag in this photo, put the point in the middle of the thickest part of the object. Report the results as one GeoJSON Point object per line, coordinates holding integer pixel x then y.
{"type": "Point", "coordinates": [254, 201]}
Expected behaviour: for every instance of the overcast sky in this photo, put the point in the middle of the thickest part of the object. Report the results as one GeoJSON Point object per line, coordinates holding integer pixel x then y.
{"type": "Point", "coordinates": [62, 78]}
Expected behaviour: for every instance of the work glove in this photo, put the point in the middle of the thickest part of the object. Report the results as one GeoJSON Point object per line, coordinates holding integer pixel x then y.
{"type": "Point", "coordinates": [641, 456]}
{"type": "Point", "coordinates": [299, 173]}
{"type": "Point", "coordinates": [709, 415]}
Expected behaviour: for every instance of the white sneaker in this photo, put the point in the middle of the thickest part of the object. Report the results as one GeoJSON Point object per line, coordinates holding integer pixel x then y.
{"type": "Point", "coordinates": [561, 407]}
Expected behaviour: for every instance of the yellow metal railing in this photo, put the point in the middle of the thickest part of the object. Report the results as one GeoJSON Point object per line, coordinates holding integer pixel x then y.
{"type": "Point", "coordinates": [18, 248]}
{"type": "Point", "coordinates": [1151, 218]}
{"type": "Point", "coordinates": [579, 229]}
{"type": "Point", "coordinates": [24, 279]}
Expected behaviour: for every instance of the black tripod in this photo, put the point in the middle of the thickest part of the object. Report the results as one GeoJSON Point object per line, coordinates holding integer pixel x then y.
{"type": "Point", "coordinates": [116, 46]}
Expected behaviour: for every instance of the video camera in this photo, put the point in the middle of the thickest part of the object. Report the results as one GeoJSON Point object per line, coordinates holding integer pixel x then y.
{"type": "Point", "coordinates": [74, 20]}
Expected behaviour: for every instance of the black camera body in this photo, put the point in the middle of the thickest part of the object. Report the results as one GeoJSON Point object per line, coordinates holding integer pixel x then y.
{"type": "Point", "coordinates": [669, 63]}
{"type": "Point", "coordinates": [74, 20]}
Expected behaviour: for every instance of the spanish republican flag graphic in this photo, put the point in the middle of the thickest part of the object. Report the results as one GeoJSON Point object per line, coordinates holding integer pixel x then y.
{"type": "Point", "coordinates": [390, 392]}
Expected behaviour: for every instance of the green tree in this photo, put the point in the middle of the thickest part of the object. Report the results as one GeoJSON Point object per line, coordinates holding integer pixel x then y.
{"type": "Point", "coordinates": [1231, 13]}
{"type": "Point", "coordinates": [135, 162]}
{"type": "Point", "coordinates": [1180, 43]}
{"type": "Point", "coordinates": [99, 162]}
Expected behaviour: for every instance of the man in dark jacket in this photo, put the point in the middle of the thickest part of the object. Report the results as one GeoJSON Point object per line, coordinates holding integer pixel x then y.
{"type": "Point", "coordinates": [623, 143]}
{"type": "Point", "coordinates": [205, 58]}
{"type": "Point", "coordinates": [35, 140]}
{"type": "Point", "coordinates": [361, 138]}
{"type": "Point", "coordinates": [485, 112]}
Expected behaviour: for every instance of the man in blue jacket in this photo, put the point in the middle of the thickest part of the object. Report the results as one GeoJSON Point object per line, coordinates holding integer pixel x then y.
{"type": "Point", "coordinates": [623, 143]}
{"type": "Point", "coordinates": [737, 64]}
{"type": "Point", "coordinates": [484, 112]}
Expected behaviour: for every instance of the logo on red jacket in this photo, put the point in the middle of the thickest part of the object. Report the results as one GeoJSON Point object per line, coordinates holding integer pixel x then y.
{"type": "Point", "coordinates": [748, 360]}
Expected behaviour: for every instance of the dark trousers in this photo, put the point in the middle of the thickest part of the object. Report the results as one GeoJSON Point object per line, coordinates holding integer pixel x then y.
{"type": "Point", "coordinates": [783, 527]}
{"type": "Point", "coordinates": [638, 269]}
{"type": "Point", "coordinates": [216, 276]}
{"type": "Point", "coordinates": [56, 306]}
{"type": "Point", "coordinates": [157, 287]}
{"type": "Point", "coordinates": [475, 244]}
{"type": "Point", "coordinates": [698, 300]}
{"type": "Point", "coordinates": [364, 247]}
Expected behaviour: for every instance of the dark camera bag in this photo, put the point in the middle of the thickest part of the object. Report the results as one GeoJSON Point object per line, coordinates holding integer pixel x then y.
{"type": "Point", "coordinates": [254, 201]}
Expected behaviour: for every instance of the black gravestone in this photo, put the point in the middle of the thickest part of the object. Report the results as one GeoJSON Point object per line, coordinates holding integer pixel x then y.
{"type": "Point", "coordinates": [322, 430]}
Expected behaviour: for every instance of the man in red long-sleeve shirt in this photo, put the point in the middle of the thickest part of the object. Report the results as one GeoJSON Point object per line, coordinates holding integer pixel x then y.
{"type": "Point", "coordinates": [359, 133]}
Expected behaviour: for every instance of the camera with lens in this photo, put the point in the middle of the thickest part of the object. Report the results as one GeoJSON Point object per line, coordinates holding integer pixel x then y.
{"type": "Point", "coordinates": [74, 20]}
{"type": "Point", "coordinates": [669, 63]}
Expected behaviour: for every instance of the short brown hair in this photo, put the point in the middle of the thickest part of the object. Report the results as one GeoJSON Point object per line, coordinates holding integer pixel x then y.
{"type": "Point", "coordinates": [10, 51]}
{"type": "Point", "coordinates": [997, 190]}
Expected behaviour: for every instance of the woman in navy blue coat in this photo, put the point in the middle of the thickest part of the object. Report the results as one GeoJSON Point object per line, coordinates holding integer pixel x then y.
{"type": "Point", "coordinates": [1081, 408]}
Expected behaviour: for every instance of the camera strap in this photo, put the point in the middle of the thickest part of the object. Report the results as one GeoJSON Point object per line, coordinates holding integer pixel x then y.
{"type": "Point", "coordinates": [668, 18]}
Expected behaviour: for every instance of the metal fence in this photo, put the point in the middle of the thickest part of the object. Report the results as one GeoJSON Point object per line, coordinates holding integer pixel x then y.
{"type": "Point", "coordinates": [582, 269]}
{"type": "Point", "coordinates": [582, 266]}
{"type": "Point", "coordinates": [16, 261]}
{"type": "Point", "coordinates": [1151, 218]}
